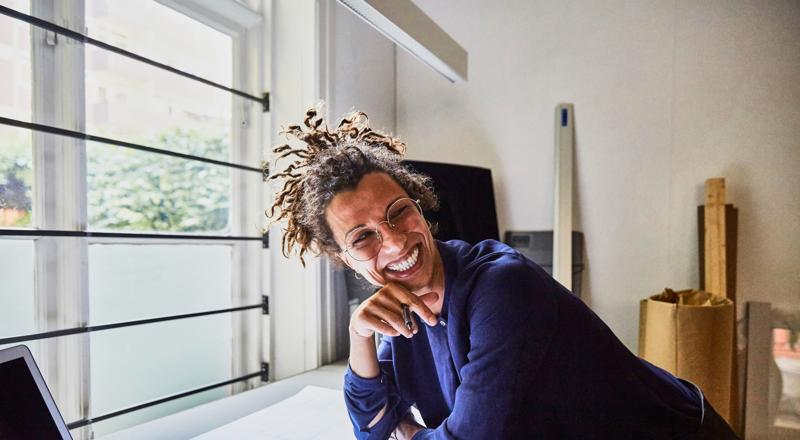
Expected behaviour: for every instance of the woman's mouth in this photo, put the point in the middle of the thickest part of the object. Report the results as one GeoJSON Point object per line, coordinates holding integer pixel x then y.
{"type": "Point", "coordinates": [408, 265]}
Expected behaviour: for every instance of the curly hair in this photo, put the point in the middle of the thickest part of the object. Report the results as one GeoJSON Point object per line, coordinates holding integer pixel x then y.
{"type": "Point", "coordinates": [329, 162]}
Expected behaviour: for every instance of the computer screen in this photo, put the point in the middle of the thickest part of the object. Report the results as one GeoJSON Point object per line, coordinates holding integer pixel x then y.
{"type": "Point", "coordinates": [466, 198]}
{"type": "Point", "coordinates": [24, 412]}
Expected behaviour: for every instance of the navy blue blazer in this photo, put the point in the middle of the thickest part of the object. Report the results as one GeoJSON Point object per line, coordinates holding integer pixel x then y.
{"type": "Point", "coordinates": [520, 357]}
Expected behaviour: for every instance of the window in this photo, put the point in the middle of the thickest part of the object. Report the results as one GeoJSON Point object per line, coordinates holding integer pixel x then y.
{"type": "Point", "coordinates": [16, 157]}
{"type": "Point", "coordinates": [141, 239]}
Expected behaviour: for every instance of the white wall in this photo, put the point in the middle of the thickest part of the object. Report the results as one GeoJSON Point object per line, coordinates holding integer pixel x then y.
{"type": "Point", "coordinates": [364, 71]}
{"type": "Point", "coordinates": [666, 95]}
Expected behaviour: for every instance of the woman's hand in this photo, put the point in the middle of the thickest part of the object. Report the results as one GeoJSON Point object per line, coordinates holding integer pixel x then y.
{"type": "Point", "coordinates": [407, 427]}
{"type": "Point", "coordinates": [383, 312]}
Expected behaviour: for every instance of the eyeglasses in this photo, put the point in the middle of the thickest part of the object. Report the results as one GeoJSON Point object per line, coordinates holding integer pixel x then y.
{"type": "Point", "coordinates": [364, 243]}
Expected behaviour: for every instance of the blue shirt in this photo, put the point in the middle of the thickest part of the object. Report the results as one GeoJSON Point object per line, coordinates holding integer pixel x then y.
{"type": "Point", "coordinates": [520, 357]}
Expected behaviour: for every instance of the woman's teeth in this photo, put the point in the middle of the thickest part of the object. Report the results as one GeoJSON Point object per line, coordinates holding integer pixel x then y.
{"type": "Point", "coordinates": [407, 264]}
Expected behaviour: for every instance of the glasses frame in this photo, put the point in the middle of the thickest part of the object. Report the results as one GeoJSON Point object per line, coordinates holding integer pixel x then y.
{"type": "Point", "coordinates": [391, 226]}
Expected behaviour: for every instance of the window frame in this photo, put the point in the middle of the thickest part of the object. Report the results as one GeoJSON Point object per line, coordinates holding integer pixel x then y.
{"type": "Point", "coordinates": [60, 196]}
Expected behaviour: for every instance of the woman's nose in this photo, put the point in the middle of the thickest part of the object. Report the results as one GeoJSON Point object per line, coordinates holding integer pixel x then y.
{"type": "Point", "coordinates": [393, 240]}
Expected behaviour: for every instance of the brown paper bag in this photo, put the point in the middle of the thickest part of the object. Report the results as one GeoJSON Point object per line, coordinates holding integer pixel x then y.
{"type": "Point", "coordinates": [689, 333]}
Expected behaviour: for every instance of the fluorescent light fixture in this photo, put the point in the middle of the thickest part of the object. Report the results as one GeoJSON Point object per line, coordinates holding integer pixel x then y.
{"type": "Point", "coordinates": [407, 26]}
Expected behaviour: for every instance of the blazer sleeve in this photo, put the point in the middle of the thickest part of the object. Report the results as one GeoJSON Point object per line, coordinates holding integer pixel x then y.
{"type": "Point", "coordinates": [365, 397]}
{"type": "Point", "coordinates": [512, 318]}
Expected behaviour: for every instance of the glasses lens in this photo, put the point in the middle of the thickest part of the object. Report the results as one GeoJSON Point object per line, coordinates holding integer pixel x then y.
{"type": "Point", "coordinates": [363, 243]}
{"type": "Point", "coordinates": [403, 214]}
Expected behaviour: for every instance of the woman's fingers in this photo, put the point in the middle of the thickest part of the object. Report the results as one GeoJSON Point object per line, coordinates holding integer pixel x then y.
{"type": "Point", "coordinates": [390, 303]}
{"type": "Point", "coordinates": [393, 319]}
{"type": "Point", "coordinates": [383, 312]}
{"type": "Point", "coordinates": [394, 305]}
{"type": "Point", "coordinates": [416, 303]}
{"type": "Point", "coordinates": [382, 327]}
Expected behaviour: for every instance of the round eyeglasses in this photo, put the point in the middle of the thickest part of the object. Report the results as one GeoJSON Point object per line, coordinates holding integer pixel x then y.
{"type": "Point", "coordinates": [364, 243]}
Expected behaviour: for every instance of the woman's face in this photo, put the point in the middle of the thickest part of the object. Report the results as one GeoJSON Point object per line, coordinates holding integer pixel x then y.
{"type": "Point", "coordinates": [366, 206]}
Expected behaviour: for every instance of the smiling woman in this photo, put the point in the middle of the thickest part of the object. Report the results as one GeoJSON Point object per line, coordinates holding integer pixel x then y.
{"type": "Point", "coordinates": [332, 161]}
{"type": "Point", "coordinates": [513, 359]}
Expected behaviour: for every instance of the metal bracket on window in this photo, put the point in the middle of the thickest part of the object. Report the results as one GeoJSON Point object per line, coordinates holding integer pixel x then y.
{"type": "Point", "coordinates": [265, 102]}
{"type": "Point", "coordinates": [264, 372]}
{"type": "Point", "coordinates": [50, 38]}
{"type": "Point", "coordinates": [264, 305]}
{"type": "Point", "coordinates": [265, 239]}
{"type": "Point", "coordinates": [245, 114]}
{"type": "Point", "coordinates": [264, 170]}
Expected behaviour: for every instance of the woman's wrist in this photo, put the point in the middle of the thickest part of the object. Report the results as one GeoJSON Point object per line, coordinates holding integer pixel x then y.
{"type": "Point", "coordinates": [355, 335]}
{"type": "Point", "coordinates": [407, 428]}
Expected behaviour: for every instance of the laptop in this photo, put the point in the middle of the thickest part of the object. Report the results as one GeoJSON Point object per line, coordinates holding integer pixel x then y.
{"type": "Point", "coordinates": [27, 410]}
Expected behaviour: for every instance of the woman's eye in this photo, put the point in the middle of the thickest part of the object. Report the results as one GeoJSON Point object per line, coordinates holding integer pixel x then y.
{"type": "Point", "coordinates": [362, 236]}
{"type": "Point", "coordinates": [400, 212]}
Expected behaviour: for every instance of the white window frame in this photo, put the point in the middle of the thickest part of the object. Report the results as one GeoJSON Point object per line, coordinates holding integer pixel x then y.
{"type": "Point", "coordinates": [60, 202]}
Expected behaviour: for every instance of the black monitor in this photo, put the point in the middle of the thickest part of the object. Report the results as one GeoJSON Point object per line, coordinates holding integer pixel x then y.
{"type": "Point", "coordinates": [466, 195]}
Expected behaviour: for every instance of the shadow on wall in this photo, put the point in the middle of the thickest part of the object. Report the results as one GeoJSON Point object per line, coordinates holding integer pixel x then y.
{"type": "Point", "coordinates": [577, 219]}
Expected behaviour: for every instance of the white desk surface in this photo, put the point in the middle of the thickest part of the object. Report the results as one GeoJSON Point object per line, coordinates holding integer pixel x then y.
{"type": "Point", "coordinates": [198, 420]}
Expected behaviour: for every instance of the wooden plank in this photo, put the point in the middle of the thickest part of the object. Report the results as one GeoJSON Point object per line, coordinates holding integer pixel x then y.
{"type": "Point", "coordinates": [759, 353]}
{"type": "Point", "coordinates": [731, 238]}
{"type": "Point", "coordinates": [715, 272]}
{"type": "Point", "coordinates": [717, 223]}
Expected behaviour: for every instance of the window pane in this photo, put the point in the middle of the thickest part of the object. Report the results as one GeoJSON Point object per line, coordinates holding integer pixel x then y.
{"type": "Point", "coordinates": [134, 364]}
{"type": "Point", "coordinates": [130, 282]}
{"type": "Point", "coordinates": [17, 312]}
{"type": "Point", "coordinates": [162, 34]}
{"type": "Point", "coordinates": [140, 191]}
{"type": "Point", "coordinates": [136, 102]}
{"type": "Point", "coordinates": [16, 157]}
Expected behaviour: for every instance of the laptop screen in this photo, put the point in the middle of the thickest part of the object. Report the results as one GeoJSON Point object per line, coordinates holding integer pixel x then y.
{"type": "Point", "coordinates": [23, 411]}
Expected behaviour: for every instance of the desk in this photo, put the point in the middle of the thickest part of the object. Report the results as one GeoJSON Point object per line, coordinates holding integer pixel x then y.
{"type": "Point", "coordinates": [195, 421]}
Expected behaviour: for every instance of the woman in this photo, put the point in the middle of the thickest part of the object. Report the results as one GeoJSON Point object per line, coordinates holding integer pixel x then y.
{"type": "Point", "coordinates": [497, 349]}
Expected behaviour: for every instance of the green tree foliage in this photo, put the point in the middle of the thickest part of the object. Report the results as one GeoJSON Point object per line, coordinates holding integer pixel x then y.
{"type": "Point", "coordinates": [135, 190]}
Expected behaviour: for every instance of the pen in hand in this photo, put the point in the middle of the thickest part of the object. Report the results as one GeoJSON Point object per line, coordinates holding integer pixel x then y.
{"type": "Point", "coordinates": [407, 317]}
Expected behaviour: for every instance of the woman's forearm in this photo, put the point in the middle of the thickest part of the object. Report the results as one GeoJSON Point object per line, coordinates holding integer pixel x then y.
{"type": "Point", "coordinates": [364, 362]}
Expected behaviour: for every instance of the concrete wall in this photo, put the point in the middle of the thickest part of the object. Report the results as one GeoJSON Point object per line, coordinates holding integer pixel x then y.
{"type": "Point", "coordinates": [666, 95]}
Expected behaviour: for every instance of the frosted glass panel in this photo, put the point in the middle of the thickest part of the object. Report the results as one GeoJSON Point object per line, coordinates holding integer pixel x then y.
{"type": "Point", "coordinates": [129, 282]}
{"type": "Point", "coordinates": [17, 311]}
{"type": "Point", "coordinates": [135, 364]}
